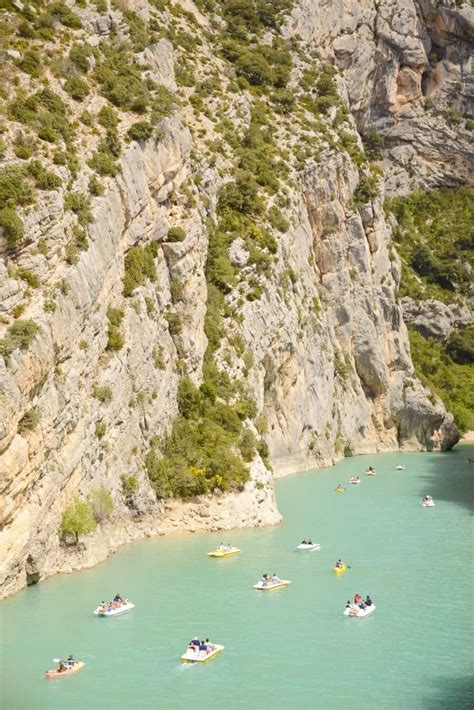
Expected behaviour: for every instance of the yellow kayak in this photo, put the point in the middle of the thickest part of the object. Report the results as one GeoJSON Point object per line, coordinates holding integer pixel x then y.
{"type": "Point", "coordinates": [339, 570]}
{"type": "Point", "coordinates": [224, 552]}
{"type": "Point", "coordinates": [340, 489]}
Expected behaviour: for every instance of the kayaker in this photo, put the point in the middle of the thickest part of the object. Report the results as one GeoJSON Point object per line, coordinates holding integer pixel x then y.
{"type": "Point", "coordinates": [339, 564]}
{"type": "Point", "coordinates": [71, 661]}
{"type": "Point", "coordinates": [61, 668]}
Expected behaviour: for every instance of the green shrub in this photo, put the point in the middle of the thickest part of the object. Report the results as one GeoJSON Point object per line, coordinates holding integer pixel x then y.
{"type": "Point", "coordinates": [80, 205]}
{"type": "Point", "coordinates": [176, 234]}
{"type": "Point", "coordinates": [174, 322]}
{"type": "Point", "coordinates": [77, 88]}
{"type": "Point", "coordinates": [139, 266]}
{"type": "Point", "coordinates": [176, 289]}
{"type": "Point", "coordinates": [108, 117]}
{"type": "Point", "coordinates": [44, 179]}
{"type": "Point", "coordinates": [95, 187]}
{"type": "Point", "coordinates": [77, 519]}
{"type": "Point", "coordinates": [65, 15]}
{"type": "Point", "coordinates": [102, 393]}
{"type": "Point", "coordinates": [140, 131]}
{"type": "Point", "coordinates": [19, 335]}
{"type": "Point", "coordinates": [29, 421]}
{"type": "Point", "coordinates": [100, 429]}
{"type": "Point", "coordinates": [31, 64]}
{"type": "Point", "coordinates": [102, 504]}
{"type": "Point", "coordinates": [129, 485]}
{"type": "Point", "coordinates": [460, 346]}
{"type": "Point", "coordinates": [79, 55]}
{"type": "Point", "coordinates": [367, 189]}
{"type": "Point", "coordinates": [115, 339]}
{"type": "Point", "coordinates": [11, 226]}
{"type": "Point", "coordinates": [277, 220]}
{"type": "Point", "coordinates": [138, 31]}
{"type": "Point", "coordinates": [30, 278]}
{"type": "Point", "coordinates": [247, 445]}
{"type": "Point", "coordinates": [104, 164]}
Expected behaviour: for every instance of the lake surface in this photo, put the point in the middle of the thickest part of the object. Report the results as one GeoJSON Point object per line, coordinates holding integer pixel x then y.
{"type": "Point", "coordinates": [289, 648]}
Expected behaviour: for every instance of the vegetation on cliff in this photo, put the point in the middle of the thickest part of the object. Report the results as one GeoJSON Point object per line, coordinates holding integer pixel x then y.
{"type": "Point", "coordinates": [435, 239]}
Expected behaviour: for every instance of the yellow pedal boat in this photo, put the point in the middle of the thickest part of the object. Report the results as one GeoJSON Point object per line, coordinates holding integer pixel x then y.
{"type": "Point", "coordinates": [224, 552]}
{"type": "Point", "coordinates": [197, 656]}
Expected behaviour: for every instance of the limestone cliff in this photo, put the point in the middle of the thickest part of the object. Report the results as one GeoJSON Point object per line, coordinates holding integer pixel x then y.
{"type": "Point", "coordinates": [312, 327]}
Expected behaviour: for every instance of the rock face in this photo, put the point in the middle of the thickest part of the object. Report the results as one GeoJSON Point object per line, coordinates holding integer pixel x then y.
{"type": "Point", "coordinates": [408, 69]}
{"type": "Point", "coordinates": [434, 319]}
{"type": "Point", "coordinates": [330, 362]}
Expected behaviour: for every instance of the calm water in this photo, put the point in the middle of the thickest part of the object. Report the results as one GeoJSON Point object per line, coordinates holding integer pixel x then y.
{"type": "Point", "coordinates": [290, 648]}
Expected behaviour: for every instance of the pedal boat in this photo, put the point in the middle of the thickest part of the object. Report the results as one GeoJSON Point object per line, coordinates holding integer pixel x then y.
{"type": "Point", "coordinates": [194, 655]}
{"type": "Point", "coordinates": [399, 467]}
{"type": "Point", "coordinates": [272, 586]}
{"type": "Point", "coordinates": [52, 675]}
{"type": "Point", "coordinates": [339, 570]}
{"type": "Point", "coordinates": [309, 546]}
{"type": "Point", "coordinates": [340, 489]}
{"type": "Point", "coordinates": [354, 610]}
{"type": "Point", "coordinates": [228, 552]}
{"type": "Point", "coordinates": [354, 480]}
{"type": "Point", "coordinates": [428, 503]}
{"type": "Point", "coordinates": [103, 611]}
{"type": "Point", "coordinates": [370, 473]}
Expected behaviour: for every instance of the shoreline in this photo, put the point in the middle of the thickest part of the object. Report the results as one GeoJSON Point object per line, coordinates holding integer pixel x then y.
{"type": "Point", "coordinates": [255, 507]}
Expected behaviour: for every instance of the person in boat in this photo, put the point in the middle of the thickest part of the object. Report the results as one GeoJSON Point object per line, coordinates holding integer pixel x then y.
{"type": "Point", "coordinates": [310, 542]}
{"type": "Point", "coordinates": [210, 646]}
{"type": "Point", "coordinates": [368, 601]}
{"type": "Point", "coordinates": [61, 668]}
{"type": "Point", "coordinates": [275, 579]}
{"type": "Point", "coordinates": [203, 646]}
{"type": "Point", "coordinates": [71, 661]}
{"type": "Point", "coordinates": [194, 643]}
{"type": "Point", "coordinates": [118, 598]}
{"type": "Point", "coordinates": [348, 604]}
{"type": "Point", "coordinates": [339, 564]}
{"type": "Point", "coordinates": [357, 599]}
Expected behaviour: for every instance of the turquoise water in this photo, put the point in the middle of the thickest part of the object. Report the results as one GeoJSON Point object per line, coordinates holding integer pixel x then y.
{"type": "Point", "coordinates": [285, 648]}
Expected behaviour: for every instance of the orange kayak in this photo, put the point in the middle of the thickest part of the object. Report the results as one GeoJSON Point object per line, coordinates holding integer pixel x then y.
{"type": "Point", "coordinates": [79, 665]}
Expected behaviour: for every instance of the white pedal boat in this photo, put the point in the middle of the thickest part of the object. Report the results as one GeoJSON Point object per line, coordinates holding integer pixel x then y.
{"type": "Point", "coordinates": [106, 611]}
{"type": "Point", "coordinates": [370, 472]}
{"type": "Point", "coordinates": [354, 610]}
{"type": "Point", "coordinates": [427, 503]}
{"type": "Point", "coordinates": [194, 655]}
{"type": "Point", "coordinates": [270, 586]}
{"type": "Point", "coordinates": [354, 480]}
{"type": "Point", "coordinates": [309, 546]}
{"type": "Point", "coordinates": [399, 467]}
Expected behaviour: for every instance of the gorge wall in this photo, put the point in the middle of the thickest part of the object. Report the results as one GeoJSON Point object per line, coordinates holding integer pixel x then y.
{"type": "Point", "coordinates": [310, 326]}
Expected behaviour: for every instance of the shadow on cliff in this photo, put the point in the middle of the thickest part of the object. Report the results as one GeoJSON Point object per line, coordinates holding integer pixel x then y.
{"type": "Point", "coordinates": [455, 693]}
{"type": "Point", "coordinates": [455, 483]}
